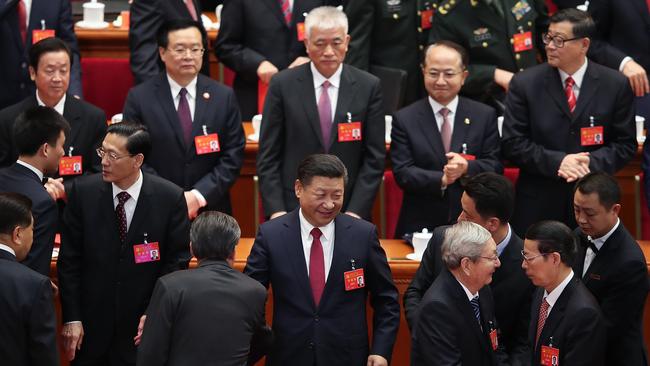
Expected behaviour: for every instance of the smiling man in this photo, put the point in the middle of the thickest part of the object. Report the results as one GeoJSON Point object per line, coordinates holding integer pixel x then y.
{"type": "Point", "coordinates": [323, 267]}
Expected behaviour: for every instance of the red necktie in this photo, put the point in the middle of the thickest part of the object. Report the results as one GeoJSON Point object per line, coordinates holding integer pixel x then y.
{"type": "Point", "coordinates": [445, 129]}
{"type": "Point", "coordinates": [543, 314]}
{"type": "Point", "coordinates": [286, 11]}
{"type": "Point", "coordinates": [316, 266]}
{"type": "Point", "coordinates": [552, 8]}
{"type": "Point", "coordinates": [22, 20]}
{"type": "Point", "coordinates": [122, 197]}
{"type": "Point", "coordinates": [191, 8]}
{"type": "Point", "coordinates": [570, 95]}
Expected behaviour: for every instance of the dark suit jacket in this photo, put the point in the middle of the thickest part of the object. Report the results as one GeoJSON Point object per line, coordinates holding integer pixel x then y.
{"type": "Point", "coordinates": [618, 279]}
{"type": "Point", "coordinates": [539, 131]}
{"type": "Point", "coordinates": [291, 131]}
{"type": "Point", "coordinates": [20, 179]}
{"type": "Point", "coordinates": [447, 332]}
{"type": "Point", "coordinates": [253, 31]}
{"type": "Point", "coordinates": [418, 157]}
{"type": "Point", "coordinates": [14, 73]}
{"type": "Point", "coordinates": [147, 16]}
{"type": "Point", "coordinates": [100, 283]}
{"type": "Point", "coordinates": [511, 288]}
{"type": "Point", "coordinates": [211, 174]}
{"type": "Point", "coordinates": [87, 129]}
{"type": "Point", "coordinates": [335, 332]}
{"type": "Point", "coordinates": [576, 325]}
{"type": "Point", "coordinates": [181, 330]}
{"type": "Point", "coordinates": [28, 331]}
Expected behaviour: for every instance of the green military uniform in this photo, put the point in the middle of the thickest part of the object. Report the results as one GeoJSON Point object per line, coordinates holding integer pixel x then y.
{"type": "Point", "coordinates": [489, 38]}
{"type": "Point", "coordinates": [390, 33]}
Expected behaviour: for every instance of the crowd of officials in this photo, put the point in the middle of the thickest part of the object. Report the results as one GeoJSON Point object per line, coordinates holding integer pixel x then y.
{"type": "Point", "coordinates": [542, 272]}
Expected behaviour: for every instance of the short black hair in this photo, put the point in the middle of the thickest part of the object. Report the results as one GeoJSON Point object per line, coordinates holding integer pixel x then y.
{"type": "Point", "coordinates": [177, 24]}
{"type": "Point", "coordinates": [582, 23]}
{"type": "Point", "coordinates": [464, 56]}
{"type": "Point", "coordinates": [15, 210]}
{"type": "Point", "coordinates": [37, 126]}
{"type": "Point", "coordinates": [137, 136]}
{"type": "Point", "coordinates": [321, 165]}
{"type": "Point", "coordinates": [214, 235]}
{"type": "Point", "coordinates": [554, 236]}
{"type": "Point", "coordinates": [493, 195]}
{"type": "Point", "coordinates": [603, 184]}
{"type": "Point", "coordinates": [47, 45]}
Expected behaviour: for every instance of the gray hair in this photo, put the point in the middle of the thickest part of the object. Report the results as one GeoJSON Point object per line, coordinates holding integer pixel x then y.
{"type": "Point", "coordinates": [214, 235]}
{"type": "Point", "coordinates": [326, 17]}
{"type": "Point", "coordinates": [465, 239]}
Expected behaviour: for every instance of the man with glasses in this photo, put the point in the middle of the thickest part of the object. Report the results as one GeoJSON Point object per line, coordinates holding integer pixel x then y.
{"type": "Point", "coordinates": [567, 327]}
{"type": "Point", "coordinates": [123, 230]}
{"type": "Point", "coordinates": [440, 139]}
{"type": "Point", "coordinates": [563, 119]}
{"type": "Point", "coordinates": [186, 114]}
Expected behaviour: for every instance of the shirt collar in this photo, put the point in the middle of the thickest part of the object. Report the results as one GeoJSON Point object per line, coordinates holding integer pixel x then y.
{"type": "Point", "coordinates": [32, 168]}
{"type": "Point", "coordinates": [599, 242]}
{"type": "Point", "coordinates": [133, 191]}
{"type": "Point", "coordinates": [335, 79]}
{"type": "Point", "coordinates": [7, 249]}
{"type": "Point", "coordinates": [58, 107]}
{"type": "Point", "coordinates": [469, 295]}
{"type": "Point", "coordinates": [436, 107]}
{"type": "Point", "coordinates": [577, 76]}
{"type": "Point", "coordinates": [501, 246]}
{"type": "Point", "coordinates": [176, 88]}
{"type": "Point", "coordinates": [555, 294]}
{"type": "Point", "coordinates": [306, 227]}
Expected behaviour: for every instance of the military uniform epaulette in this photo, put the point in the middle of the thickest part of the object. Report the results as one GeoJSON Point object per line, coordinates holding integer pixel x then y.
{"type": "Point", "coordinates": [447, 5]}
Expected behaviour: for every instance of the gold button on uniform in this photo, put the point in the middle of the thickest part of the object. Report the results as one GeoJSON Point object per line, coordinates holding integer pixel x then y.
{"type": "Point", "coordinates": [419, 30]}
{"type": "Point", "coordinates": [484, 44]}
{"type": "Point", "coordinates": [395, 16]}
{"type": "Point", "coordinates": [512, 41]}
{"type": "Point", "coordinates": [419, 13]}
{"type": "Point", "coordinates": [421, 47]}
{"type": "Point", "coordinates": [517, 56]}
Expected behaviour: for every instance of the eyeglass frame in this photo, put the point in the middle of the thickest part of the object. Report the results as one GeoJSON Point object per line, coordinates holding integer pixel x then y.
{"type": "Point", "coordinates": [546, 40]}
{"type": "Point", "coordinates": [493, 259]}
{"type": "Point", "coordinates": [445, 75]}
{"type": "Point", "coordinates": [530, 259]}
{"type": "Point", "coordinates": [111, 156]}
{"type": "Point", "coordinates": [182, 51]}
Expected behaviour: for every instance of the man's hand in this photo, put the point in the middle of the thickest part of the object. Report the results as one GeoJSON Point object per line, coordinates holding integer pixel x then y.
{"type": "Point", "coordinates": [376, 360]}
{"type": "Point", "coordinates": [138, 336]}
{"type": "Point", "coordinates": [638, 78]}
{"type": "Point", "coordinates": [73, 335]}
{"type": "Point", "coordinates": [574, 166]}
{"type": "Point", "coordinates": [265, 71]}
{"type": "Point", "coordinates": [55, 189]}
{"type": "Point", "coordinates": [350, 213]}
{"type": "Point", "coordinates": [299, 61]}
{"type": "Point", "coordinates": [455, 168]}
{"type": "Point", "coordinates": [502, 78]}
{"type": "Point", "coordinates": [193, 204]}
{"type": "Point", "coordinates": [278, 214]}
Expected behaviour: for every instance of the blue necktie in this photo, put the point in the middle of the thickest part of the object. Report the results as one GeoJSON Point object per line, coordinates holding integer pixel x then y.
{"type": "Point", "coordinates": [476, 308]}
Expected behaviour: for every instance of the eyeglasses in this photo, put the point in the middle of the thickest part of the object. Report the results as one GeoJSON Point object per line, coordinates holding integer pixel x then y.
{"type": "Point", "coordinates": [557, 40]}
{"type": "Point", "coordinates": [447, 75]}
{"type": "Point", "coordinates": [110, 155]}
{"type": "Point", "coordinates": [182, 51]}
{"type": "Point", "coordinates": [494, 258]}
{"type": "Point", "coordinates": [528, 259]}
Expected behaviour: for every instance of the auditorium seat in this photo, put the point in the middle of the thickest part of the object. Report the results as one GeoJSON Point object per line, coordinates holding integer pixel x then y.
{"type": "Point", "coordinates": [106, 82]}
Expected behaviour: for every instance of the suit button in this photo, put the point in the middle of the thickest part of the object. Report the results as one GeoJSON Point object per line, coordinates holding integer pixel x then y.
{"type": "Point", "coordinates": [421, 47]}
{"type": "Point", "coordinates": [419, 30]}
{"type": "Point", "coordinates": [22, 85]}
{"type": "Point", "coordinates": [311, 345]}
{"type": "Point", "coordinates": [419, 13]}
{"type": "Point", "coordinates": [521, 69]}
{"type": "Point", "coordinates": [512, 41]}
{"type": "Point", "coordinates": [484, 44]}
{"type": "Point", "coordinates": [395, 16]}
{"type": "Point", "coordinates": [23, 65]}
{"type": "Point", "coordinates": [316, 319]}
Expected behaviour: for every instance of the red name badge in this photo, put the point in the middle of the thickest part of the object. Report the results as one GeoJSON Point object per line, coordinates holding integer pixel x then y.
{"type": "Point", "coordinates": [354, 279]}
{"type": "Point", "coordinates": [523, 41]}
{"type": "Point", "coordinates": [41, 34]}
{"type": "Point", "coordinates": [147, 252]}
{"type": "Point", "coordinates": [206, 144]}
{"type": "Point", "coordinates": [494, 339]}
{"type": "Point", "coordinates": [70, 165]}
{"type": "Point", "coordinates": [590, 136]}
{"type": "Point", "coordinates": [550, 356]}
{"type": "Point", "coordinates": [468, 156]}
{"type": "Point", "coordinates": [300, 29]}
{"type": "Point", "coordinates": [350, 131]}
{"type": "Point", "coordinates": [426, 19]}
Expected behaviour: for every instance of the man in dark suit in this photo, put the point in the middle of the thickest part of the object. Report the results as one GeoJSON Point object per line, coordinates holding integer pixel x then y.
{"type": "Point", "coordinates": [322, 106]}
{"type": "Point", "coordinates": [323, 267]}
{"type": "Point", "coordinates": [115, 224]}
{"type": "Point", "coordinates": [564, 119]}
{"type": "Point", "coordinates": [488, 200]}
{"type": "Point", "coordinates": [28, 332]}
{"type": "Point", "coordinates": [147, 16]}
{"type": "Point", "coordinates": [50, 69]}
{"type": "Point", "coordinates": [456, 325]}
{"type": "Point", "coordinates": [612, 266]}
{"type": "Point", "coordinates": [438, 140]}
{"type": "Point", "coordinates": [257, 38]}
{"type": "Point", "coordinates": [185, 112]}
{"type": "Point", "coordinates": [20, 26]}
{"type": "Point", "coordinates": [180, 329]}
{"type": "Point", "coordinates": [39, 136]}
{"type": "Point", "coordinates": [567, 327]}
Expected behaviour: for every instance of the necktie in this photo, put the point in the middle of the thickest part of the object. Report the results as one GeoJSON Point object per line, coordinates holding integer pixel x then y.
{"type": "Point", "coordinates": [445, 129]}
{"type": "Point", "coordinates": [316, 266]}
{"type": "Point", "coordinates": [476, 308]}
{"type": "Point", "coordinates": [570, 95]}
{"type": "Point", "coordinates": [541, 320]}
{"type": "Point", "coordinates": [122, 197]}
{"type": "Point", "coordinates": [184, 115]}
{"type": "Point", "coordinates": [191, 8]}
{"type": "Point", "coordinates": [286, 11]}
{"type": "Point", "coordinates": [325, 114]}
{"type": "Point", "coordinates": [22, 20]}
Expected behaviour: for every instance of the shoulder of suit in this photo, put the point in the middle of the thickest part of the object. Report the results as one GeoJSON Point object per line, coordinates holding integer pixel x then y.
{"type": "Point", "coordinates": [87, 108]}
{"type": "Point", "coordinates": [11, 112]}
{"type": "Point", "coordinates": [23, 275]}
{"type": "Point", "coordinates": [475, 106]}
{"type": "Point", "coordinates": [405, 115]}
{"type": "Point", "coordinates": [361, 75]}
{"type": "Point", "coordinates": [161, 186]}
{"type": "Point", "coordinates": [446, 7]}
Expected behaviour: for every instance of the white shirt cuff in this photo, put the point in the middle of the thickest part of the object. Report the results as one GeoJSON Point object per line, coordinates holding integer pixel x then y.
{"type": "Point", "coordinates": [199, 197]}
{"type": "Point", "coordinates": [626, 59]}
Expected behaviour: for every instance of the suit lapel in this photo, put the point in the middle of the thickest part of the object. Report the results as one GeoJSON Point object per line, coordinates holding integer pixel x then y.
{"type": "Point", "coordinates": [557, 313]}
{"type": "Point", "coordinates": [140, 214]}
{"type": "Point", "coordinates": [347, 91]}
{"type": "Point", "coordinates": [599, 264]}
{"type": "Point", "coordinates": [296, 255]}
{"type": "Point", "coordinates": [166, 102]}
{"type": "Point", "coordinates": [427, 121]}
{"type": "Point", "coordinates": [308, 96]}
{"type": "Point", "coordinates": [339, 260]}
{"type": "Point", "coordinates": [465, 308]}
{"type": "Point", "coordinates": [510, 261]}
{"type": "Point", "coordinates": [199, 111]}
{"type": "Point", "coordinates": [72, 114]}
{"type": "Point", "coordinates": [460, 128]}
{"type": "Point", "coordinates": [589, 88]}
{"type": "Point", "coordinates": [274, 7]}
{"type": "Point", "coordinates": [534, 316]}
{"type": "Point", "coordinates": [108, 216]}
{"type": "Point", "coordinates": [554, 87]}
{"type": "Point", "coordinates": [580, 257]}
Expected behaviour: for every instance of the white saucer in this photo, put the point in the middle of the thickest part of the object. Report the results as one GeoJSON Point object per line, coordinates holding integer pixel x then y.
{"type": "Point", "coordinates": [413, 257]}
{"type": "Point", "coordinates": [91, 25]}
{"type": "Point", "coordinates": [253, 137]}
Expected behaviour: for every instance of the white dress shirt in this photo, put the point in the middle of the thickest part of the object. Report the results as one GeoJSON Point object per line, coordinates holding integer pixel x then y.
{"type": "Point", "coordinates": [577, 76]}
{"type": "Point", "coordinates": [129, 205]}
{"type": "Point", "coordinates": [333, 90]}
{"type": "Point", "coordinates": [436, 107]}
{"type": "Point", "coordinates": [599, 242]}
{"type": "Point", "coordinates": [555, 294]}
{"type": "Point", "coordinates": [326, 240]}
{"type": "Point", "coordinates": [58, 107]}
{"type": "Point", "coordinates": [7, 249]}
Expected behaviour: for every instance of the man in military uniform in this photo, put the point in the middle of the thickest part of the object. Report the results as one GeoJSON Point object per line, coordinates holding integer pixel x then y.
{"type": "Point", "coordinates": [502, 37]}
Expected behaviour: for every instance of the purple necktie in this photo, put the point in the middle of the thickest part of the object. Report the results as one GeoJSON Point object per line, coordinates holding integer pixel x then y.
{"type": "Point", "coordinates": [325, 114]}
{"type": "Point", "coordinates": [184, 116]}
{"type": "Point", "coordinates": [122, 197]}
{"type": "Point", "coordinates": [445, 129]}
